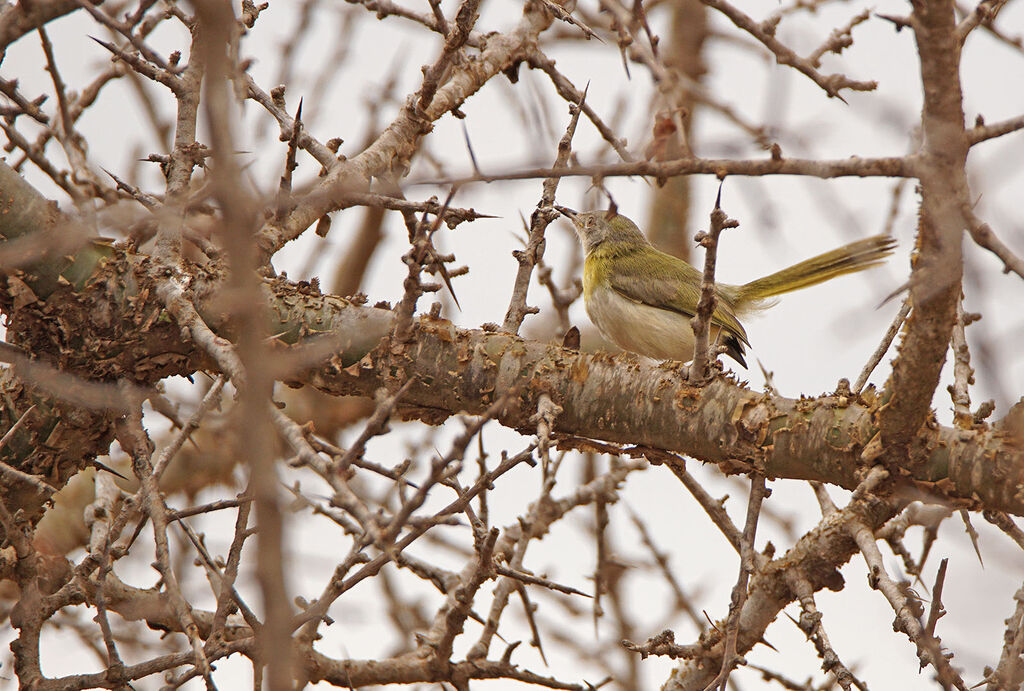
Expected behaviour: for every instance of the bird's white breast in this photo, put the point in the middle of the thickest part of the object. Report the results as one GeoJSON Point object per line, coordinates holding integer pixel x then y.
{"type": "Point", "coordinates": [656, 333]}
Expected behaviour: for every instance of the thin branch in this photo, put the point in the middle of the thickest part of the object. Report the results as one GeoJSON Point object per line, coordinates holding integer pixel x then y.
{"type": "Point", "coordinates": [832, 84]}
{"type": "Point", "coordinates": [664, 645]}
{"type": "Point", "coordinates": [748, 564]}
{"type": "Point", "coordinates": [897, 166]}
{"type": "Point", "coordinates": [883, 346]}
{"type": "Point", "coordinates": [701, 321]}
{"type": "Point", "coordinates": [983, 235]}
{"type": "Point", "coordinates": [541, 217]}
{"type": "Point", "coordinates": [536, 580]}
{"type": "Point", "coordinates": [810, 624]}
{"type": "Point", "coordinates": [983, 132]}
{"type": "Point", "coordinates": [929, 648]}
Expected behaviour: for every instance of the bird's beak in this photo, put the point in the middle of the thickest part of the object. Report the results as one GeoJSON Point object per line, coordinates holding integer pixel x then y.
{"type": "Point", "coordinates": [566, 211]}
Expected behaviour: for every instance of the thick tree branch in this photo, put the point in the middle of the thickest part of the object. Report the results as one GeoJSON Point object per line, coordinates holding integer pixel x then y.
{"type": "Point", "coordinates": [938, 266]}
{"type": "Point", "coordinates": [16, 20]}
{"type": "Point", "coordinates": [624, 401]}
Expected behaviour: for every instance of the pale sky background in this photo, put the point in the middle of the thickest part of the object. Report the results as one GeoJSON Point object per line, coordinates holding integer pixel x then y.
{"type": "Point", "coordinates": [810, 340]}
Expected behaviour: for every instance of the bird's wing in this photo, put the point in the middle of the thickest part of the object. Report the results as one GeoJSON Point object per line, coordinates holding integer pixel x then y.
{"type": "Point", "coordinates": [657, 284]}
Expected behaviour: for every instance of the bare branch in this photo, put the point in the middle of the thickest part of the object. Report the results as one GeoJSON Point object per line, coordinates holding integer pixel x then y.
{"type": "Point", "coordinates": [832, 84]}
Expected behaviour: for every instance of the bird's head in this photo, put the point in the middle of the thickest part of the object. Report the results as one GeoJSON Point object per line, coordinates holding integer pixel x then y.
{"type": "Point", "coordinates": [597, 227]}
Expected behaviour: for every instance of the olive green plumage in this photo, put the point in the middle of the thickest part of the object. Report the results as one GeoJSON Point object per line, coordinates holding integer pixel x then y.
{"type": "Point", "coordinates": [643, 299]}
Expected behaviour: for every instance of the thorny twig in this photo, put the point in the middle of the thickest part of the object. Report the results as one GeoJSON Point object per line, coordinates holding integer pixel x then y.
{"type": "Point", "coordinates": [963, 373]}
{"type": "Point", "coordinates": [668, 81]}
{"type": "Point", "coordinates": [537, 580]}
{"type": "Point", "coordinates": [664, 644]}
{"type": "Point", "coordinates": [210, 401]}
{"type": "Point", "coordinates": [340, 584]}
{"type": "Point", "coordinates": [832, 84]}
{"type": "Point", "coordinates": [376, 425]}
{"type": "Point", "coordinates": [810, 624]}
{"type": "Point", "coordinates": [702, 321]}
{"type": "Point", "coordinates": [929, 649]}
{"type": "Point", "coordinates": [135, 441]}
{"type": "Point", "coordinates": [571, 94]}
{"type": "Point", "coordinates": [748, 564]}
{"type": "Point", "coordinates": [421, 255]}
{"type": "Point", "coordinates": [547, 412]}
{"type": "Point", "coordinates": [539, 221]}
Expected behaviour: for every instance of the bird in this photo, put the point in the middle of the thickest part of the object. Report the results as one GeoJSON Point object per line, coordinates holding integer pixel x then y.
{"type": "Point", "coordinates": [643, 299]}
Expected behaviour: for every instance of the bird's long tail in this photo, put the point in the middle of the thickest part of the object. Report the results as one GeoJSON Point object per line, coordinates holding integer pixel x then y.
{"type": "Point", "coordinates": [851, 258]}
